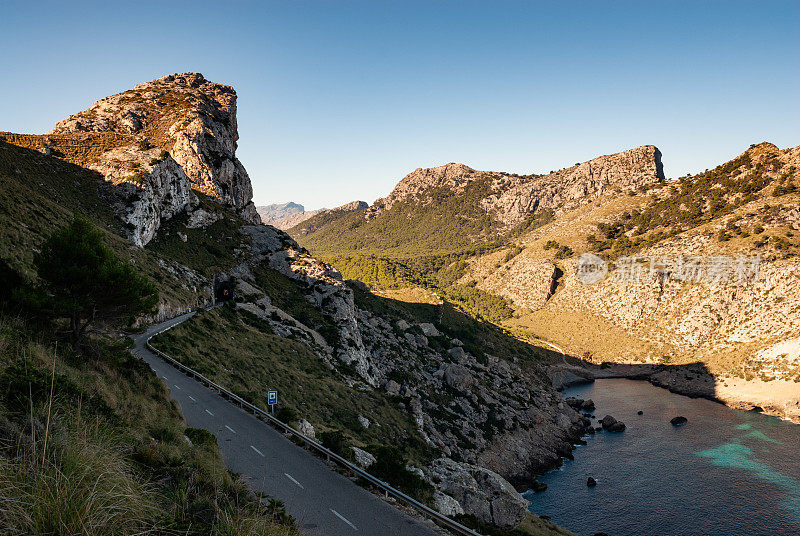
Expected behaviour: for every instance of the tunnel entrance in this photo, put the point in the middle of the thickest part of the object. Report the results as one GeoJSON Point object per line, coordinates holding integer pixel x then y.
{"type": "Point", "coordinates": [223, 290]}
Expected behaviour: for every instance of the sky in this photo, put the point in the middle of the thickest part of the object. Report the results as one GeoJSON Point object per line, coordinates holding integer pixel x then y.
{"type": "Point", "coordinates": [339, 100]}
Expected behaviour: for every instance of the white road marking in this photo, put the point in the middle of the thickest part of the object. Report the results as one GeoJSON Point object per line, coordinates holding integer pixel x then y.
{"type": "Point", "coordinates": [290, 477]}
{"type": "Point", "coordinates": [164, 377]}
{"type": "Point", "coordinates": [209, 413]}
{"type": "Point", "coordinates": [340, 516]}
{"type": "Point", "coordinates": [258, 451]}
{"type": "Point", "coordinates": [193, 399]}
{"type": "Point", "coordinates": [177, 387]}
{"type": "Point", "coordinates": [229, 428]}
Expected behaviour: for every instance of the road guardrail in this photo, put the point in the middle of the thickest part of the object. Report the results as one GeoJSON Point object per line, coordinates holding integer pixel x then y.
{"type": "Point", "coordinates": [329, 454]}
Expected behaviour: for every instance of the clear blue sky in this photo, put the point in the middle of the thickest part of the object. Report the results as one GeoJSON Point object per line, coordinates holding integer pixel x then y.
{"type": "Point", "coordinates": [339, 100]}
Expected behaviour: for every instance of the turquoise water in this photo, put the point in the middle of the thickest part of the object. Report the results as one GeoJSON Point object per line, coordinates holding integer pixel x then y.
{"type": "Point", "coordinates": [725, 473]}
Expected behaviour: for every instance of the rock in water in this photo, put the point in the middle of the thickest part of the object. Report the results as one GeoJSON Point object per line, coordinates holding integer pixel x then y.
{"type": "Point", "coordinates": [591, 482]}
{"type": "Point", "coordinates": [611, 424]}
{"type": "Point", "coordinates": [678, 421]}
{"type": "Point", "coordinates": [537, 486]}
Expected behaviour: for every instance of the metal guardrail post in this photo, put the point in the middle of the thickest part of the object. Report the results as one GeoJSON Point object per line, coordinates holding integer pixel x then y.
{"type": "Point", "coordinates": [330, 455]}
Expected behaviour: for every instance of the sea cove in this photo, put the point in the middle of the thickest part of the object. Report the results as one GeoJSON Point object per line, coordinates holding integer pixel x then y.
{"type": "Point", "coordinates": [726, 471]}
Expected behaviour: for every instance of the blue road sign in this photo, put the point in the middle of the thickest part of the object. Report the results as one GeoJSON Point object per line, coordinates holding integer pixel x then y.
{"type": "Point", "coordinates": [272, 398]}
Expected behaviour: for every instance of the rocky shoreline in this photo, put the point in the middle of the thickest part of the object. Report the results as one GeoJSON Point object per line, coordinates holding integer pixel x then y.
{"type": "Point", "coordinates": [776, 398]}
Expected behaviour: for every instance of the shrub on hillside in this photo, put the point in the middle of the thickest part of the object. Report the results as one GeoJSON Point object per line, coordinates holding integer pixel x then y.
{"type": "Point", "coordinates": [390, 466]}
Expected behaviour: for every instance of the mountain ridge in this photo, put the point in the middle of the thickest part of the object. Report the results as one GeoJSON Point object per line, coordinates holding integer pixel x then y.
{"type": "Point", "coordinates": [523, 275]}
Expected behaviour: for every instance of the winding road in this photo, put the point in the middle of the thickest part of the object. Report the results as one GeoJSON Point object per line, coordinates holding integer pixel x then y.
{"type": "Point", "coordinates": [322, 501]}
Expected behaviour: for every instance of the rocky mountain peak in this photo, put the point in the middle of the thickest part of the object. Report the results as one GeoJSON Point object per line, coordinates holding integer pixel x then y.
{"type": "Point", "coordinates": [452, 176]}
{"type": "Point", "coordinates": [351, 206]}
{"type": "Point", "coordinates": [285, 215]}
{"type": "Point", "coordinates": [156, 145]}
{"type": "Point", "coordinates": [190, 119]}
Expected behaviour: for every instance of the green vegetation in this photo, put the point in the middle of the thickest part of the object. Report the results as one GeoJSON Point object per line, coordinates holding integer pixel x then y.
{"type": "Point", "coordinates": [93, 445]}
{"type": "Point", "coordinates": [240, 351]}
{"type": "Point", "coordinates": [92, 442]}
{"type": "Point", "coordinates": [533, 221]}
{"type": "Point", "coordinates": [562, 252]}
{"type": "Point", "coordinates": [207, 250]}
{"type": "Point", "coordinates": [479, 337]}
{"type": "Point", "coordinates": [289, 295]}
{"type": "Point", "coordinates": [390, 466]}
{"type": "Point", "coordinates": [42, 192]}
{"type": "Point", "coordinates": [86, 282]}
{"type": "Point", "coordinates": [690, 202]}
{"type": "Point", "coordinates": [442, 222]}
{"type": "Point", "coordinates": [437, 273]}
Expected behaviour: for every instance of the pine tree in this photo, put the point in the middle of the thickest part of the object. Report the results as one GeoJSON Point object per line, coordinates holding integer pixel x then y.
{"type": "Point", "coordinates": [87, 283]}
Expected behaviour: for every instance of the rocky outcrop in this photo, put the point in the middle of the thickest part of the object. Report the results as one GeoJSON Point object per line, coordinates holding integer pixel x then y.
{"type": "Point", "coordinates": [306, 428]}
{"type": "Point", "coordinates": [611, 424]}
{"type": "Point", "coordinates": [488, 412]}
{"type": "Point", "coordinates": [363, 458]}
{"type": "Point", "coordinates": [568, 188]}
{"type": "Point", "coordinates": [172, 135]}
{"type": "Point", "coordinates": [146, 188]}
{"type": "Point", "coordinates": [351, 206]}
{"type": "Point", "coordinates": [325, 289]}
{"type": "Point", "coordinates": [478, 491]}
{"type": "Point", "coordinates": [453, 177]}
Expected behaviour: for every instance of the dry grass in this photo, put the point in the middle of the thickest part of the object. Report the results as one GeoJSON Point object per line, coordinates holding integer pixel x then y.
{"type": "Point", "coordinates": [82, 485]}
{"type": "Point", "coordinates": [92, 445]}
{"type": "Point", "coordinates": [579, 332]}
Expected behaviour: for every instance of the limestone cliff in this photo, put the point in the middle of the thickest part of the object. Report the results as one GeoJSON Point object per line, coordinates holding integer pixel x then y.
{"type": "Point", "coordinates": [155, 145]}
{"type": "Point", "coordinates": [563, 190]}
{"type": "Point", "coordinates": [746, 221]}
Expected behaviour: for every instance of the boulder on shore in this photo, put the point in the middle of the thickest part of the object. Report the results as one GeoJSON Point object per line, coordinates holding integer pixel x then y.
{"type": "Point", "coordinates": [678, 421]}
{"type": "Point", "coordinates": [479, 492]}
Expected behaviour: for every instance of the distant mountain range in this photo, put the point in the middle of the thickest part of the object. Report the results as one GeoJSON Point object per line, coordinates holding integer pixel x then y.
{"type": "Point", "coordinates": [285, 215]}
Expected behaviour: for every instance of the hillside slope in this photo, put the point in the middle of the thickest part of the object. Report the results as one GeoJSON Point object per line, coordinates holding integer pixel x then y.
{"type": "Point", "coordinates": [453, 207]}
{"type": "Point", "coordinates": [507, 248]}
{"type": "Point", "coordinates": [435, 388]}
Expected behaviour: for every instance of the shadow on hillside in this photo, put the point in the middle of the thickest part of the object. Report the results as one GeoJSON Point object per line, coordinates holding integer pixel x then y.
{"type": "Point", "coordinates": [54, 180]}
{"type": "Point", "coordinates": [480, 338]}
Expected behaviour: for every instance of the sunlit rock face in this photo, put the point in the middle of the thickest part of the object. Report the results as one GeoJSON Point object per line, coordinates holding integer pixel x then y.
{"type": "Point", "coordinates": [169, 136]}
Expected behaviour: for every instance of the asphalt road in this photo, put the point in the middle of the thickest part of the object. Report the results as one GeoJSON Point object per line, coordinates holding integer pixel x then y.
{"type": "Point", "coordinates": [323, 501]}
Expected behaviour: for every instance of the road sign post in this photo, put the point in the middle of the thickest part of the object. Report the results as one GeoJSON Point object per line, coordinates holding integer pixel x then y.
{"type": "Point", "coordinates": [272, 399]}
